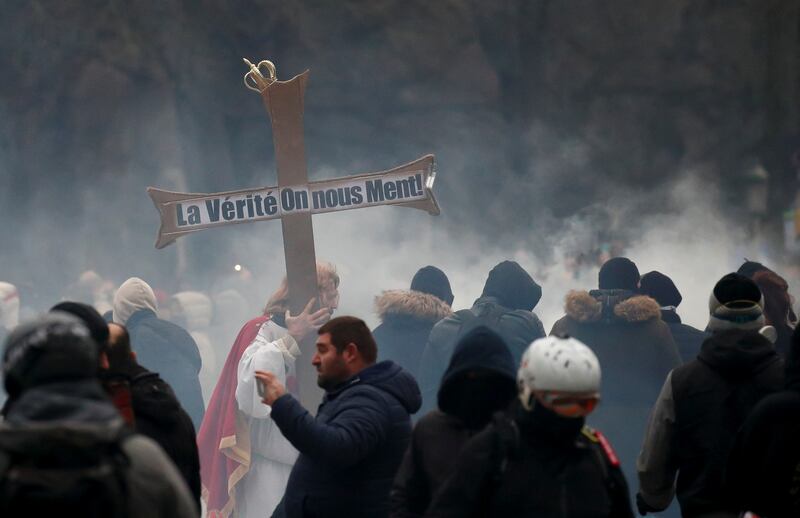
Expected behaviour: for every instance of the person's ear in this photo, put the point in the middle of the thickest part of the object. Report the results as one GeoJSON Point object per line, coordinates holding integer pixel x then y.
{"type": "Point", "coordinates": [133, 355]}
{"type": "Point", "coordinates": [104, 361]}
{"type": "Point", "coordinates": [350, 353]}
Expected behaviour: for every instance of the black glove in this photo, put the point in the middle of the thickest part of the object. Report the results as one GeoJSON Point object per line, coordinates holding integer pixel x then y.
{"type": "Point", "coordinates": [643, 507]}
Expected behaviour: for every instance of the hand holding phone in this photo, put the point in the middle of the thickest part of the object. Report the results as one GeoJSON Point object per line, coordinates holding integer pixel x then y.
{"type": "Point", "coordinates": [268, 387]}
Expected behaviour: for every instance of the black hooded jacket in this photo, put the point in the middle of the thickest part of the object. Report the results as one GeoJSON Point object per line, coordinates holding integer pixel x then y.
{"type": "Point", "coordinates": [765, 459]}
{"type": "Point", "coordinates": [713, 396]}
{"type": "Point", "coordinates": [159, 416]}
{"type": "Point", "coordinates": [480, 379]}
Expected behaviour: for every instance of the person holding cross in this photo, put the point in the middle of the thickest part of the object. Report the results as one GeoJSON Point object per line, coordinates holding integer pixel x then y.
{"type": "Point", "coordinates": [245, 460]}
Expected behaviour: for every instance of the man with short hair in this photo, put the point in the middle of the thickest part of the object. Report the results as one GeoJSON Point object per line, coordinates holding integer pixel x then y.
{"type": "Point", "coordinates": [350, 452]}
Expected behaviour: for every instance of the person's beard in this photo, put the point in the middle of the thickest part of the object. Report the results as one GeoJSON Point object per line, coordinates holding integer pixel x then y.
{"type": "Point", "coordinates": [335, 376]}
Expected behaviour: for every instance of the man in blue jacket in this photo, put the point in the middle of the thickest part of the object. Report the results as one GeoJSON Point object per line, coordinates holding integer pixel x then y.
{"type": "Point", "coordinates": [350, 452]}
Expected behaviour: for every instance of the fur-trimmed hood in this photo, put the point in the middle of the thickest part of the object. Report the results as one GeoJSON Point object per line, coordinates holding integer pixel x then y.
{"type": "Point", "coordinates": [411, 303]}
{"type": "Point", "coordinates": [611, 305]}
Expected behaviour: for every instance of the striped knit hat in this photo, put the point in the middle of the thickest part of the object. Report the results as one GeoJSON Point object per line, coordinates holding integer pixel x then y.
{"type": "Point", "coordinates": [735, 303]}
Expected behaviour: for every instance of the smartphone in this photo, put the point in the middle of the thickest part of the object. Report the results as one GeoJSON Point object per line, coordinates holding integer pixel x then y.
{"type": "Point", "coordinates": [260, 388]}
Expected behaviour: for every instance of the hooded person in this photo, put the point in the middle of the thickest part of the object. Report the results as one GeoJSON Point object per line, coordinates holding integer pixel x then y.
{"type": "Point", "coordinates": [479, 381]}
{"type": "Point", "coordinates": [505, 306]}
{"type": "Point", "coordinates": [161, 346]}
{"type": "Point", "coordinates": [635, 348]}
{"type": "Point", "coordinates": [663, 290]}
{"type": "Point", "coordinates": [407, 317]}
{"type": "Point", "coordinates": [704, 402]}
{"type": "Point", "coordinates": [539, 458]}
{"type": "Point", "coordinates": [60, 416]}
{"type": "Point", "coordinates": [761, 474]}
{"type": "Point", "coordinates": [245, 460]}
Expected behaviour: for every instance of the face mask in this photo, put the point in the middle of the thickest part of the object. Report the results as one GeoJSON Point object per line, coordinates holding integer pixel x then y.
{"type": "Point", "coordinates": [477, 400]}
{"type": "Point", "coordinates": [551, 427]}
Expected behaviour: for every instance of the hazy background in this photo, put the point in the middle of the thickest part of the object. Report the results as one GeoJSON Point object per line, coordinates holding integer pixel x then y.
{"type": "Point", "coordinates": [663, 130]}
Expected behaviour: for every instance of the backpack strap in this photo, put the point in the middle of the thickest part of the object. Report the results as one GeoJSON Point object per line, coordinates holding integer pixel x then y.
{"type": "Point", "coordinates": [598, 438]}
{"type": "Point", "coordinates": [489, 315]}
{"type": "Point", "coordinates": [604, 455]}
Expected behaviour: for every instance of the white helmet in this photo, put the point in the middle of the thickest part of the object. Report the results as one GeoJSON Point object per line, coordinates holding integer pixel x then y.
{"type": "Point", "coordinates": [558, 364]}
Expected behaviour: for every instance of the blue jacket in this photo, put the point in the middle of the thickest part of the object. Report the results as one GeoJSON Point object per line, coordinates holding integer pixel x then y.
{"type": "Point", "coordinates": [169, 350]}
{"type": "Point", "coordinates": [350, 452]}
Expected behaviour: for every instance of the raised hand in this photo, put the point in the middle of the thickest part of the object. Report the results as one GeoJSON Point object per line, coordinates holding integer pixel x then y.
{"type": "Point", "coordinates": [301, 325]}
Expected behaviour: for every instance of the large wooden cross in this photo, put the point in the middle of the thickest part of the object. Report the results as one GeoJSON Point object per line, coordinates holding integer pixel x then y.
{"type": "Point", "coordinates": [294, 200]}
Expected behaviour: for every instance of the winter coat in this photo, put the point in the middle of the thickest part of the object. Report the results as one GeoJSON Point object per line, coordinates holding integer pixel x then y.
{"type": "Point", "coordinates": [154, 487]}
{"type": "Point", "coordinates": [438, 437]}
{"type": "Point", "coordinates": [517, 327]}
{"type": "Point", "coordinates": [508, 470]}
{"type": "Point", "coordinates": [701, 406]}
{"type": "Point", "coordinates": [762, 467]}
{"type": "Point", "coordinates": [687, 338]}
{"type": "Point", "coordinates": [407, 317]}
{"type": "Point", "coordinates": [163, 347]}
{"type": "Point", "coordinates": [350, 452]}
{"type": "Point", "coordinates": [159, 416]}
{"type": "Point", "coordinates": [636, 352]}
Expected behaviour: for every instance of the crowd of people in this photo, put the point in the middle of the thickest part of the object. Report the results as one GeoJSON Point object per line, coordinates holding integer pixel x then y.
{"type": "Point", "coordinates": [127, 405]}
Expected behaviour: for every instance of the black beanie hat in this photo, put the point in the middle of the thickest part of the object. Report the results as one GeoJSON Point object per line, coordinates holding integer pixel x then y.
{"type": "Point", "coordinates": [55, 347]}
{"type": "Point", "coordinates": [618, 273]}
{"type": "Point", "coordinates": [512, 286]}
{"type": "Point", "coordinates": [433, 281]}
{"type": "Point", "coordinates": [94, 321]}
{"type": "Point", "coordinates": [660, 287]}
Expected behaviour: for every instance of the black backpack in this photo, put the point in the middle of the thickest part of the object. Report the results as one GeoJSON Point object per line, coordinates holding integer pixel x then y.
{"type": "Point", "coordinates": [488, 315]}
{"type": "Point", "coordinates": [62, 470]}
